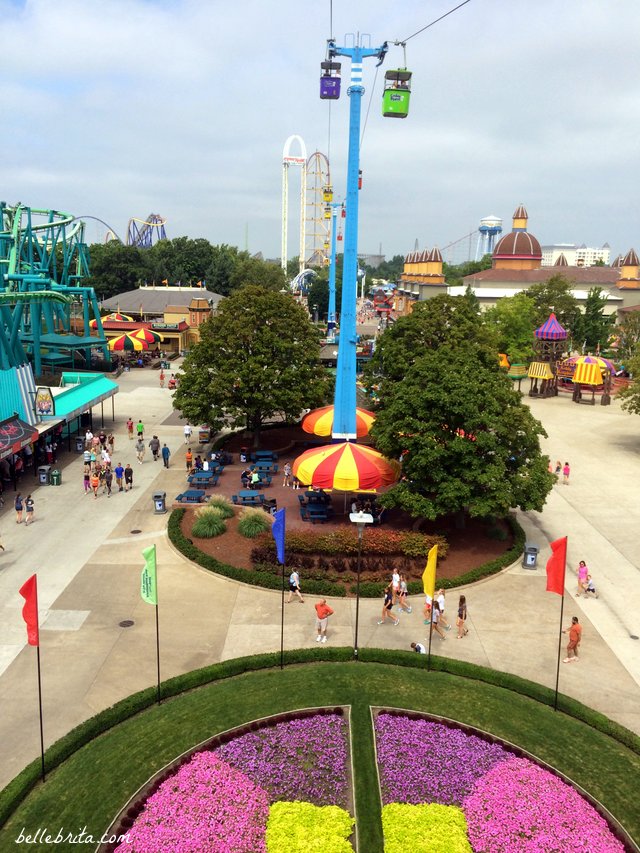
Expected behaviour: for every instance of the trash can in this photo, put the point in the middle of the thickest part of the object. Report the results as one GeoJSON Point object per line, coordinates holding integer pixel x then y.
{"type": "Point", "coordinates": [530, 556]}
{"type": "Point", "coordinates": [56, 477]}
{"type": "Point", "coordinates": [79, 444]}
{"type": "Point", "coordinates": [244, 454]}
{"type": "Point", "coordinates": [160, 502]}
{"type": "Point", "coordinates": [44, 475]}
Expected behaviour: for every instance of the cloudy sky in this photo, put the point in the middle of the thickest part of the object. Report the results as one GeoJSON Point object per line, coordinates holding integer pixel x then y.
{"type": "Point", "coordinates": [119, 108]}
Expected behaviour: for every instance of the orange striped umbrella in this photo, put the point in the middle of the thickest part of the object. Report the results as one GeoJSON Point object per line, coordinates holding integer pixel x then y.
{"type": "Point", "coordinates": [345, 466]}
{"type": "Point", "coordinates": [320, 421]}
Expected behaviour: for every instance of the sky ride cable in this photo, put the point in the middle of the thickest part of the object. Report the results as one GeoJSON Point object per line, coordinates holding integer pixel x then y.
{"type": "Point", "coordinates": [442, 17]}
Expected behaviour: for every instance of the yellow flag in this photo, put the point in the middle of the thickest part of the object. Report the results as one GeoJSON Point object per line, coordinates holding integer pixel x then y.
{"type": "Point", "coordinates": [429, 574]}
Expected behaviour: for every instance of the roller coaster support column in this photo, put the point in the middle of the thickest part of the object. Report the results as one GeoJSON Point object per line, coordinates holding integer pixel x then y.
{"type": "Point", "coordinates": [344, 416]}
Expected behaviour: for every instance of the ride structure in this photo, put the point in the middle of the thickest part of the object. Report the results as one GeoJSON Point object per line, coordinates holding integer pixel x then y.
{"type": "Point", "coordinates": [490, 227]}
{"type": "Point", "coordinates": [549, 345]}
{"type": "Point", "coordinates": [143, 233]}
{"type": "Point", "coordinates": [45, 310]}
{"type": "Point", "coordinates": [289, 159]}
{"type": "Point", "coordinates": [318, 194]}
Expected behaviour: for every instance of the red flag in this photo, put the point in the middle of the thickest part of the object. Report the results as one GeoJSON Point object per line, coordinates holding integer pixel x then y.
{"type": "Point", "coordinates": [29, 591]}
{"type": "Point", "coordinates": [556, 565]}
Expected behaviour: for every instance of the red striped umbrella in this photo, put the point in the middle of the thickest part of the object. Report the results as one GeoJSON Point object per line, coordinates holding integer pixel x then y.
{"type": "Point", "coordinates": [147, 335]}
{"type": "Point", "coordinates": [345, 466]}
{"type": "Point", "coordinates": [115, 316]}
{"type": "Point", "coordinates": [320, 421]}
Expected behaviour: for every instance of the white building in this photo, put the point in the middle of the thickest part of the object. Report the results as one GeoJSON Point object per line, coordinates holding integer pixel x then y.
{"type": "Point", "coordinates": [575, 256]}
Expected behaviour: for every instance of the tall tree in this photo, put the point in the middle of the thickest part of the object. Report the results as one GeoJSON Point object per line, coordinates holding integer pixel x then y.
{"type": "Point", "coordinates": [258, 358]}
{"type": "Point", "coordinates": [594, 328]}
{"type": "Point", "coordinates": [555, 295]}
{"type": "Point", "coordinates": [467, 443]}
{"type": "Point", "coordinates": [514, 321]}
{"type": "Point", "coordinates": [115, 268]}
{"type": "Point", "coordinates": [628, 333]}
{"type": "Point", "coordinates": [630, 396]}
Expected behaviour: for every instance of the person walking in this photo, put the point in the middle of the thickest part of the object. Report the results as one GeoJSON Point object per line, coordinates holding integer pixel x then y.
{"type": "Point", "coordinates": [154, 444]}
{"type": "Point", "coordinates": [566, 471]}
{"type": "Point", "coordinates": [418, 647]}
{"type": "Point", "coordinates": [130, 428]}
{"type": "Point", "coordinates": [395, 585]}
{"type": "Point", "coordinates": [140, 450]}
{"type": "Point", "coordinates": [287, 471]}
{"type": "Point", "coordinates": [88, 439]}
{"type": "Point", "coordinates": [294, 587]}
{"type": "Point", "coordinates": [187, 433]}
{"type": "Point", "coordinates": [140, 429]}
{"type": "Point", "coordinates": [558, 470]}
{"type": "Point", "coordinates": [128, 477]}
{"type": "Point", "coordinates": [426, 610]}
{"type": "Point", "coordinates": [87, 479]}
{"type": "Point", "coordinates": [582, 572]}
{"type": "Point", "coordinates": [119, 472]}
{"type": "Point", "coordinates": [387, 605]}
{"type": "Point", "coordinates": [575, 636]}
{"type": "Point", "coordinates": [166, 453]}
{"type": "Point", "coordinates": [323, 611]}
{"type": "Point", "coordinates": [108, 480]}
{"type": "Point", "coordinates": [188, 459]}
{"type": "Point", "coordinates": [462, 617]}
{"type": "Point", "coordinates": [161, 378]}
{"type": "Point", "coordinates": [19, 508]}
{"type": "Point", "coordinates": [403, 594]}
{"type": "Point", "coordinates": [95, 484]}
{"type": "Point", "coordinates": [111, 443]}
{"type": "Point", "coordinates": [444, 622]}
{"type": "Point", "coordinates": [590, 590]}
{"type": "Point", "coordinates": [435, 621]}
{"type": "Point", "coordinates": [29, 506]}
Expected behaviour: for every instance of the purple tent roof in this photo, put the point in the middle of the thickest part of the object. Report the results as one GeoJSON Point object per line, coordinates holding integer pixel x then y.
{"type": "Point", "coordinates": [551, 330]}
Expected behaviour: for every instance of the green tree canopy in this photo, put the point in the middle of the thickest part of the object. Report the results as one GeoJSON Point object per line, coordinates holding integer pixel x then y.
{"type": "Point", "coordinates": [628, 333]}
{"type": "Point", "coordinates": [443, 319]}
{"type": "Point", "coordinates": [258, 358]}
{"type": "Point", "coordinates": [467, 442]}
{"type": "Point", "coordinates": [513, 320]}
{"type": "Point", "coordinates": [630, 396]}
{"type": "Point", "coordinates": [554, 295]}
{"type": "Point", "coordinates": [594, 328]}
{"type": "Point", "coordinates": [116, 268]}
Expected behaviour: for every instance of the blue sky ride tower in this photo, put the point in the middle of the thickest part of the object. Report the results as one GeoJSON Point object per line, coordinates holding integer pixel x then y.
{"type": "Point", "coordinates": [344, 419]}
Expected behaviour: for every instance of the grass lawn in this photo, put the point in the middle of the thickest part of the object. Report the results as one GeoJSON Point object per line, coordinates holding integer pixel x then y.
{"type": "Point", "coordinates": [91, 787]}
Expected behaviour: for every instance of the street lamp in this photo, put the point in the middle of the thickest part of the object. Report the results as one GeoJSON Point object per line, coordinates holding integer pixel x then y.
{"type": "Point", "coordinates": [315, 313]}
{"type": "Point", "coordinates": [360, 519]}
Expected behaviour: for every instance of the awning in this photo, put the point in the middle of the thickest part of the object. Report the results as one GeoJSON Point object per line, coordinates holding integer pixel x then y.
{"type": "Point", "coordinates": [14, 435]}
{"type": "Point", "coordinates": [80, 392]}
{"type": "Point", "coordinates": [587, 374]}
{"type": "Point", "coordinates": [540, 370]}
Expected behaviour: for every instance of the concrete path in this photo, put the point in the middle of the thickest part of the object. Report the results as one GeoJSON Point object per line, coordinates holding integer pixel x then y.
{"type": "Point", "coordinates": [88, 557]}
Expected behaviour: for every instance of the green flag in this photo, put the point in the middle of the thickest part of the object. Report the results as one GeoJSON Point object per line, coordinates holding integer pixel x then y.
{"type": "Point", "coordinates": [148, 579]}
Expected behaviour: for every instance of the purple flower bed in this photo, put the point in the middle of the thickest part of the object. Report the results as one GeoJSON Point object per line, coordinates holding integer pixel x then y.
{"type": "Point", "coordinates": [207, 805]}
{"type": "Point", "coordinates": [518, 807]}
{"type": "Point", "coordinates": [304, 759]}
{"type": "Point", "coordinates": [425, 762]}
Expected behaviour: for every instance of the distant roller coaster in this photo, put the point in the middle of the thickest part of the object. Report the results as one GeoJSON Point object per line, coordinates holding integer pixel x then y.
{"type": "Point", "coordinates": [143, 233]}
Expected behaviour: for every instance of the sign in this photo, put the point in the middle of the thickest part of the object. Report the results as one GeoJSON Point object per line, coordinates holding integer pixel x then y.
{"type": "Point", "coordinates": [44, 404]}
{"type": "Point", "coordinates": [175, 326]}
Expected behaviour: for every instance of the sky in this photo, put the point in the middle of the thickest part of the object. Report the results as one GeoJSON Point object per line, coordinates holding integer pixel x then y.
{"type": "Point", "coordinates": [121, 108]}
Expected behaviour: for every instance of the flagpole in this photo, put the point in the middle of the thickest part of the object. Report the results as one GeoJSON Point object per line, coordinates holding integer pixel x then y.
{"type": "Point", "coordinates": [40, 706]}
{"type": "Point", "coordinates": [555, 700]}
{"type": "Point", "coordinates": [430, 635]}
{"type": "Point", "coordinates": [158, 649]}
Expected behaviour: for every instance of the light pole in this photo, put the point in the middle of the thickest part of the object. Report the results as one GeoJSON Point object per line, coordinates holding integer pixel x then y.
{"type": "Point", "coordinates": [360, 519]}
{"type": "Point", "coordinates": [315, 313]}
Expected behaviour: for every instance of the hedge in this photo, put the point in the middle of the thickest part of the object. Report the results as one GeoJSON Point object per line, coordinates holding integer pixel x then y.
{"type": "Point", "coordinates": [16, 791]}
{"type": "Point", "coordinates": [270, 577]}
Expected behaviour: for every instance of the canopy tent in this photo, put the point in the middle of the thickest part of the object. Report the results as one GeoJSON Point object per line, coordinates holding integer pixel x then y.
{"type": "Point", "coordinates": [346, 466]}
{"type": "Point", "coordinates": [604, 363]}
{"type": "Point", "coordinates": [320, 421]}
{"type": "Point", "coordinates": [540, 370]}
{"type": "Point", "coordinates": [551, 330]}
{"type": "Point", "coordinates": [587, 374]}
{"type": "Point", "coordinates": [14, 435]}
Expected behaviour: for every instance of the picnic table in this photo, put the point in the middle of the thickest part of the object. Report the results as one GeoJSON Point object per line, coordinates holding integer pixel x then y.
{"type": "Point", "coordinates": [314, 497]}
{"type": "Point", "coordinates": [191, 496]}
{"type": "Point", "coordinates": [248, 497]}
{"type": "Point", "coordinates": [264, 455]}
{"type": "Point", "coordinates": [204, 478]}
{"type": "Point", "coordinates": [316, 512]}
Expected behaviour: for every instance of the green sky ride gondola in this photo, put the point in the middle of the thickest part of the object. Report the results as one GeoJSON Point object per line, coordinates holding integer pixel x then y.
{"type": "Point", "coordinates": [397, 93]}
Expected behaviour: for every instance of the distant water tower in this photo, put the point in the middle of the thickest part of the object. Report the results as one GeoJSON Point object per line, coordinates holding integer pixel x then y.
{"type": "Point", "coordinates": [488, 230]}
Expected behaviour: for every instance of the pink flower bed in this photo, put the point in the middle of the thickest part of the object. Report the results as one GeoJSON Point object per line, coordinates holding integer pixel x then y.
{"type": "Point", "coordinates": [518, 806]}
{"type": "Point", "coordinates": [207, 805]}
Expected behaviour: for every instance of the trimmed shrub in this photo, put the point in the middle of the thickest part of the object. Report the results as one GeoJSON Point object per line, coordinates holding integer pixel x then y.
{"type": "Point", "coordinates": [253, 522]}
{"type": "Point", "coordinates": [209, 523]}
{"type": "Point", "coordinates": [222, 504]}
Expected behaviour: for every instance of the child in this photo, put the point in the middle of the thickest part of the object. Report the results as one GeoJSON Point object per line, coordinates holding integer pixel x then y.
{"type": "Point", "coordinates": [590, 588]}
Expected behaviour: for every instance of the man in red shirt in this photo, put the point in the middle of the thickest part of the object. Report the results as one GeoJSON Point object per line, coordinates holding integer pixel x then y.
{"type": "Point", "coordinates": [323, 611]}
{"type": "Point", "coordinates": [575, 635]}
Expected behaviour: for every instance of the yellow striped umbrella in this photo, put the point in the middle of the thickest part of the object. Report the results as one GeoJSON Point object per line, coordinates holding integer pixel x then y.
{"type": "Point", "coordinates": [115, 316]}
{"type": "Point", "coordinates": [147, 335]}
{"type": "Point", "coordinates": [346, 466]}
{"type": "Point", "coordinates": [320, 421]}
{"type": "Point", "coordinates": [127, 343]}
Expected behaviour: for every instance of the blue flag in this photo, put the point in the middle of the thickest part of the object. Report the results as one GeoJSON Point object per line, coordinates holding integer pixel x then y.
{"type": "Point", "coordinates": [278, 534]}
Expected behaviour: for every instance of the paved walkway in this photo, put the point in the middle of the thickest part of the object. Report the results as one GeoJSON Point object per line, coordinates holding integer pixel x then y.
{"type": "Point", "coordinates": [88, 560]}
